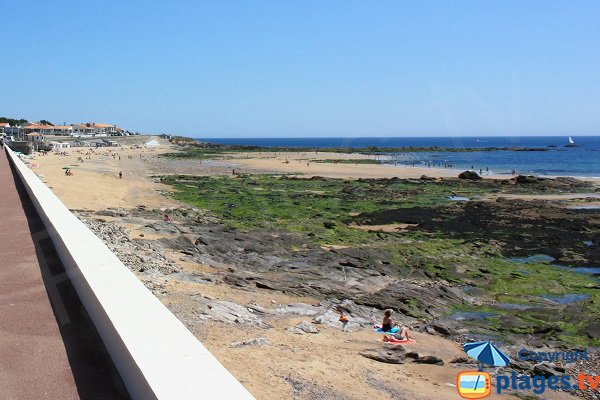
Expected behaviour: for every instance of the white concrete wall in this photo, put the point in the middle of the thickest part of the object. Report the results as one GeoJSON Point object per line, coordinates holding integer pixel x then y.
{"type": "Point", "coordinates": [157, 357]}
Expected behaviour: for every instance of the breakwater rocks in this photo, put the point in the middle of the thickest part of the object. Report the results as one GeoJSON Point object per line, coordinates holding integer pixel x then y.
{"type": "Point", "coordinates": [265, 260]}
{"type": "Point", "coordinates": [415, 272]}
{"type": "Point", "coordinates": [137, 255]}
{"type": "Point", "coordinates": [269, 260]}
{"type": "Point", "coordinates": [521, 228]}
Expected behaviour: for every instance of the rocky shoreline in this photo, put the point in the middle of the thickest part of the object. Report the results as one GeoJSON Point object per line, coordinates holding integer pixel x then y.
{"type": "Point", "coordinates": [259, 262]}
{"type": "Point", "coordinates": [359, 280]}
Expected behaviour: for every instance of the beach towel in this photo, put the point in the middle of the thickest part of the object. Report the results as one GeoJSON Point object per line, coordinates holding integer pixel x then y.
{"type": "Point", "coordinates": [398, 341]}
{"type": "Point", "coordinates": [377, 328]}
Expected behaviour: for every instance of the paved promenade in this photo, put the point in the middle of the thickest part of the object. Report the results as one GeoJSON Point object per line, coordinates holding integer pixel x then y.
{"type": "Point", "coordinates": [48, 347]}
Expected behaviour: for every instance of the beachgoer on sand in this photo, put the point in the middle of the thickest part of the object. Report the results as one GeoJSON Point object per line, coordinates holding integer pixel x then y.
{"type": "Point", "coordinates": [345, 321]}
{"type": "Point", "coordinates": [167, 218]}
{"type": "Point", "coordinates": [120, 174]}
{"type": "Point", "coordinates": [387, 325]}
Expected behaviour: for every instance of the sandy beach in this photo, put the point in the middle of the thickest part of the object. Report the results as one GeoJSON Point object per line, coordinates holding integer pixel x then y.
{"type": "Point", "coordinates": [325, 365]}
{"type": "Point", "coordinates": [95, 182]}
{"type": "Point", "coordinates": [324, 164]}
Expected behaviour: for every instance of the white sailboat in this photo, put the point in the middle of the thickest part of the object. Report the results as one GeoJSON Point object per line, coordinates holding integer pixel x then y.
{"type": "Point", "coordinates": [571, 143]}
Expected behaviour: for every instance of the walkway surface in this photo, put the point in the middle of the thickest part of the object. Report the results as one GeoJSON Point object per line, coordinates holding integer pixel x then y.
{"type": "Point", "coordinates": [48, 347]}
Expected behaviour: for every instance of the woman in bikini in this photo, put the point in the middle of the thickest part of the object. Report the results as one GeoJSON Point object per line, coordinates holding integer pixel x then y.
{"type": "Point", "coordinates": [387, 325]}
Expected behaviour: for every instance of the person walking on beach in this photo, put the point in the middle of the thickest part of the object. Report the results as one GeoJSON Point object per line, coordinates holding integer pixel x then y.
{"type": "Point", "coordinates": [344, 320]}
{"type": "Point", "coordinates": [120, 174]}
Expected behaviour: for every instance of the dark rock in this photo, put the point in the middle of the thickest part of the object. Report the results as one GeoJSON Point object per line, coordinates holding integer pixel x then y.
{"type": "Point", "coordinates": [537, 342]}
{"type": "Point", "coordinates": [559, 369]}
{"type": "Point", "coordinates": [520, 366]}
{"type": "Point", "coordinates": [396, 355]}
{"type": "Point", "coordinates": [429, 360]}
{"type": "Point", "coordinates": [200, 241]}
{"type": "Point", "coordinates": [592, 330]}
{"type": "Point", "coordinates": [348, 264]}
{"type": "Point", "coordinates": [235, 280]}
{"type": "Point", "coordinates": [404, 294]}
{"type": "Point", "coordinates": [436, 329]}
{"type": "Point", "coordinates": [179, 243]}
{"type": "Point", "coordinates": [470, 175]}
{"type": "Point", "coordinates": [528, 179]}
{"type": "Point", "coordinates": [545, 329]}
{"type": "Point", "coordinates": [412, 354]}
{"type": "Point", "coordinates": [162, 227]}
{"type": "Point", "coordinates": [545, 370]}
{"type": "Point", "coordinates": [329, 225]}
{"type": "Point", "coordinates": [261, 285]}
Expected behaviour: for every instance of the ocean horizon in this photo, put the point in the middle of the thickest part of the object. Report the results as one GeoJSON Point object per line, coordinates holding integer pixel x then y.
{"type": "Point", "coordinates": [582, 161]}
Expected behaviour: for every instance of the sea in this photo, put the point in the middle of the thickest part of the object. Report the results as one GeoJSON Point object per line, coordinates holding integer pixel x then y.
{"type": "Point", "coordinates": [558, 160]}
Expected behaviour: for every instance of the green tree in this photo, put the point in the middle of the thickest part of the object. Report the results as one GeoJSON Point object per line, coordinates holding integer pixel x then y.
{"type": "Point", "coordinates": [13, 122]}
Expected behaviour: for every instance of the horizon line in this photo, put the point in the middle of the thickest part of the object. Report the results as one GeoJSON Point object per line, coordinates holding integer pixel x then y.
{"type": "Point", "coordinates": [385, 137]}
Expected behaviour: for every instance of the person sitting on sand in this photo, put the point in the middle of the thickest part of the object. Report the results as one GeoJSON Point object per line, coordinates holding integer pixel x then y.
{"type": "Point", "coordinates": [402, 334]}
{"type": "Point", "coordinates": [167, 218]}
{"type": "Point", "coordinates": [387, 325]}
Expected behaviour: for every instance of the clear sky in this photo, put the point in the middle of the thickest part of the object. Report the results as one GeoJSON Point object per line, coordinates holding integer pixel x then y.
{"type": "Point", "coordinates": [294, 68]}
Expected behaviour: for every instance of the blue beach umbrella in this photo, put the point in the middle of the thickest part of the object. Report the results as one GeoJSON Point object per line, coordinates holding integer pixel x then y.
{"type": "Point", "coordinates": [486, 353]}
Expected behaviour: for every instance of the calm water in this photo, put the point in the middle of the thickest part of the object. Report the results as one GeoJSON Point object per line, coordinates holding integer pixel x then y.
{"type": "Point", "coordinates": [583, 161]}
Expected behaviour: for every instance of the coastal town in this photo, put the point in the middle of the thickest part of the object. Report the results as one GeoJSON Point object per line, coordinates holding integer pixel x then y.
{"type": "Point", "coordinates": [87, 129]}
{"type": "Point", "coordinates": [27, 137]}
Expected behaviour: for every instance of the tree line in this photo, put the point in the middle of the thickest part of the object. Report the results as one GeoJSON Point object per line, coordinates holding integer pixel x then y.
{"type": "Point", "coordinates": [15, 122]}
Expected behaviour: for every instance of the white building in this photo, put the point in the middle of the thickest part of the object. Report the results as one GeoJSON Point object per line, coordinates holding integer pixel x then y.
{"type": "Point", "coordinates": [92, 128]}
{"type": "Point", "coordinates": [61, 145]}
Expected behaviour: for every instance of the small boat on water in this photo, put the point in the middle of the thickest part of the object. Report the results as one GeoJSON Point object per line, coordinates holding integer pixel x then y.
{"type": "Point", "coordinates": [571, 143]}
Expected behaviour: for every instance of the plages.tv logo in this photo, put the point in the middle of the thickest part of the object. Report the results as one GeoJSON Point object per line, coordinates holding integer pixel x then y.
{"type": "Point", "coordinates": [474, 384]}
{"type": "Point", "coordinates": [478, 384]}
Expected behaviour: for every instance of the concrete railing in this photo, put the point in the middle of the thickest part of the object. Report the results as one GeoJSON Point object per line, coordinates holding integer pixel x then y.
{"type": "Point", "coordinates": [155, 354]}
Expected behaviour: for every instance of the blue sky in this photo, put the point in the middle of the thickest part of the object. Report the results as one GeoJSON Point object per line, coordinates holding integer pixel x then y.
{"type": "Point", "coordinates": [306, 68]}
